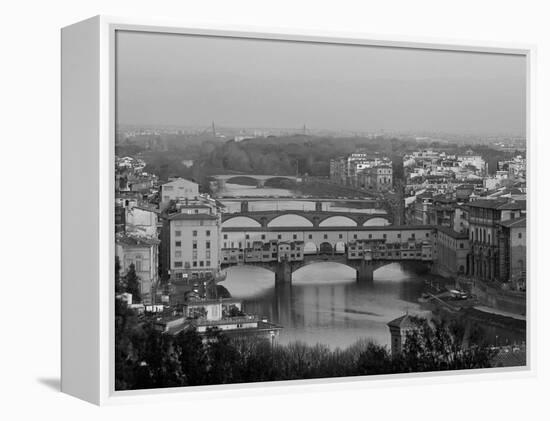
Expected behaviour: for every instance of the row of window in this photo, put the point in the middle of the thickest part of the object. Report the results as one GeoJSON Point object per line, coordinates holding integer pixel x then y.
{"type": "Point", "coordinates": [177, 233]}
{"type": "Point", "coordinates": [207, 244]}
{"type": "Point", "coordinates": [264, 256]}
{"type": "Point", "coordinates": [396, 254]}
{"type": "Point", "coordinates": [178, 253]}
{"type": "Point", "coordinates": [325, 236]}
{"type": "Point", "coordinates": [195, 263]}
{"type": "Point", "coordinates": [179, 275]}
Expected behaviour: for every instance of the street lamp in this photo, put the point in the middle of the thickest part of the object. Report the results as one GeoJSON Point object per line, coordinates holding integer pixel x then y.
{"type": "Point", "coordinates": [272, 334]}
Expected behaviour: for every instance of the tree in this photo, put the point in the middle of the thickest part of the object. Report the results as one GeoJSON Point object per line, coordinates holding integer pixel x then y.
{"type": "Point", "coordinates": [375, 360]}
{"type": "Point", "coordinates": [132, 284]}
{"type": "Point", "coordinates": [192, 358]}
{"type": "Point", "coordinates": [126, 328]}
{"type": "Point", "coordinates": [223, 359]}
{"type": "Point", "coordinates": [439, 346]}
{"type": "Point", "coordinates": [119, 286]}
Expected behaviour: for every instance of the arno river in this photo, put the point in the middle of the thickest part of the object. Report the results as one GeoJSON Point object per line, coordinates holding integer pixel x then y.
{"type": "Point", "coordinates": [325, 304]}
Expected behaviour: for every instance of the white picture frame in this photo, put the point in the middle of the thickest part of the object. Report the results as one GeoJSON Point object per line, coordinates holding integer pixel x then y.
{"type": "Point", "coordinates": [88, 128]}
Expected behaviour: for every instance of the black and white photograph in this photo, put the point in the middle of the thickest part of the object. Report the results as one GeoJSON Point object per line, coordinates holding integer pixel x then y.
{"type": "Point", "coordinates": [297, 210]}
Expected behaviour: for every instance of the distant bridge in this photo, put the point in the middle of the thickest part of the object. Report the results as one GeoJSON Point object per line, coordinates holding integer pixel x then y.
{"type": "Point", "coordinates": [260, 180]}
{"type": "Point", "coordinates": [315, 218]}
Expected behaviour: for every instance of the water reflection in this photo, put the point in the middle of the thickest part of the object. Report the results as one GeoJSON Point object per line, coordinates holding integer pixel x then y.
{"type": "Point", "coordinates": [325, 304]}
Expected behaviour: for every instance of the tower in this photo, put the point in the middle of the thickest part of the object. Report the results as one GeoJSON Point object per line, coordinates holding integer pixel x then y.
{"type": "Point", "coordinates": [398, 330]}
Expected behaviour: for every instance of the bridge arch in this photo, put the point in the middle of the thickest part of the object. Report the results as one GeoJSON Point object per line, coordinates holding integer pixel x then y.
{"type": "Point", "coordinates": [272, 181]}
{"type": "Point", "coordinates": [340, 247]}
{"type": "Point", "coordinates": [331, 269]}
{"type": "Point", "coordinates": [376, 222]}
{"type": "Point", "coordinates": [290, 220]}
{"type": "Point", "coordinates": [325, 248]}
{"type": "Point", "coordinates": [338, 221]}
{"type": "Point", "coordinates": [245, 180]}
{"type": "Point", "coordinates": [241, 221]}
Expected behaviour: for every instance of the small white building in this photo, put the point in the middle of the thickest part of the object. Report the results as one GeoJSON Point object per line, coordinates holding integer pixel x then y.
{"type": "Point", "coordinates": [142, 221]}
{"type": "Point", "coordinates": [142, 252]}
{"type": "Point", "coordinates": [178, 189]}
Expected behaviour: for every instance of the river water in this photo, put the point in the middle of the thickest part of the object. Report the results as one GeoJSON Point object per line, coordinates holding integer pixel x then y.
{"type": "Point", "coordinates": [326, 305]}
{"type": "Point", "coordinates": [283, 203]}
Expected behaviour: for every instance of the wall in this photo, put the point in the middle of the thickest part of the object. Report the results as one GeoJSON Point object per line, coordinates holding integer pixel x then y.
{"type": "Point", "coordinates": [184, 253]}
{"type": "Point", "coordinates": [236, 236]}
{"type": "Point", "coordinates": [451, 255]}
{"type": "Point", "coordinates": [518, 252]}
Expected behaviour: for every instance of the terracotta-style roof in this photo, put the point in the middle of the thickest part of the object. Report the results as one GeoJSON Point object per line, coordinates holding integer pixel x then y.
{"type": "Point", "coordinates": [132, 240]}
{"type": "Point", "coordinates": [404, 322]}
{"type": "Point", "coordinates": [515, 223]}
{"type": "Point", "coordinates": [192, 217]}
{"type": "Point", "coordinates": [497, 204]}
{"type": "Point", "coordinates": [452, 233]}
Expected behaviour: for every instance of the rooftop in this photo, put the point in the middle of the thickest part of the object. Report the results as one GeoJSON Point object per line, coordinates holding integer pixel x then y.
{"type": "Point", "coordinates": [515, 223]}
{"type": "Point", "coordinates": [404, 322]}
{"type": "Point", "coordinates": [452, 233]}
{"type": "Point", "coordinates": [133, 240]}
{"type": "Point", "coordinates": [497, 204]}
{"type": "Point", "coordinates": [191, 217]}
{"type": "Point", "coordinates": [213, 301]}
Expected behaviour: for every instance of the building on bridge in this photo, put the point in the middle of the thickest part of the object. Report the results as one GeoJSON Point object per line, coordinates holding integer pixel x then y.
{"type": "Point", "coordinates": [286, 249]}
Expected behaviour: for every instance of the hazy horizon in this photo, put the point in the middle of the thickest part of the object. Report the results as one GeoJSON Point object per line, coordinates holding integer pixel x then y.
{"type": "Point", "coordinates": [182, 80]}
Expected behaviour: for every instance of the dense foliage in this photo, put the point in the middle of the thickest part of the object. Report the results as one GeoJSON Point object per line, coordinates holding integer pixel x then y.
{"type": "Point", "coordinates": [129, 283]}
{"type": "Point", "coordinates": [282, 155]}
{"type": "Point", "coordinates": [147, 358]}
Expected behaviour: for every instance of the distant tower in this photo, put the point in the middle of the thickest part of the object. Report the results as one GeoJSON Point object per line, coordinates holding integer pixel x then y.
{"type": "Point", "coordinates": [213, 129]}
{"type": "Point", "coordinates": [398, 329]}
{"type": "Point", "coordinates": [304, 130]}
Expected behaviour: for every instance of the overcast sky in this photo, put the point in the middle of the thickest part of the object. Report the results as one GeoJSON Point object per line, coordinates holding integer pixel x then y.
{"type": "Point", "coordinates": [191, 81]}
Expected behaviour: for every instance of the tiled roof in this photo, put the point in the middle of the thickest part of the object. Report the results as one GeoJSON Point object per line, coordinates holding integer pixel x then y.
{"type": "Point", "coordinates": [404, 322]}
{"type": "Point", "coordinates": [192, 217]}
{"type": "Point", "coordinates": [452, 233]}
{"type": "Point", "coordinates": [515, 223]}
{"type": "Point", "coordinates": [498, 204]}
{"type": "Point", "coordinates": [132, 240]}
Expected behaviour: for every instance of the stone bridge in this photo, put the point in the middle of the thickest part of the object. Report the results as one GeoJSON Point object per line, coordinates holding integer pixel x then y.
{"type": "Point", "coordinates": [283, 250]}
{"type": "Point", "coordinates": [260, 180]}
{"type": "Point", "coordinates": [284, 269]}
{"type": "Point", "coordinates": [316, 218]}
